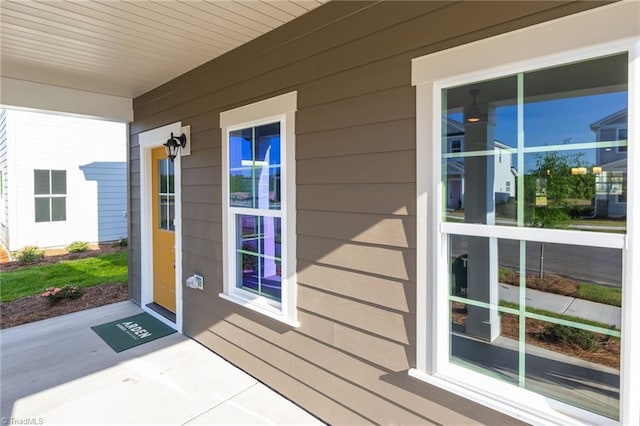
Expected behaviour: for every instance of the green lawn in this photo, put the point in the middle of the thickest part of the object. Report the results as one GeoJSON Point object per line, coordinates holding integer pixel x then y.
{"type": "Point", "coordinates": [108, 268]}
{"type": "Point", "coordinates": [600, 294]}
{"type": "Point", "coordinates": [587, 291]}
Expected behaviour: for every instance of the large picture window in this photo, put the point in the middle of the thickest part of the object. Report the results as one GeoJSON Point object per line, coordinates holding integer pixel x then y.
{"type": "Point", "coordinates": [50, 192]}
{"type": "Point", "coordinates": [258, 176]}
{"type": "Point", "coordinates": [528, 269]}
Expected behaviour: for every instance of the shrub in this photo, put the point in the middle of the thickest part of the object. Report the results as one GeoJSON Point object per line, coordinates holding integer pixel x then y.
{"type": "Point", "coordinates": [56, 294]}
{"type": "Point", "coordinates": [78, 247]}
{"type": "Point", "coordinates": [578, 212]}
{"type": "Point", "coordinates": [574, 336]}
{"type": "Point", "coordinates": [29, 254]}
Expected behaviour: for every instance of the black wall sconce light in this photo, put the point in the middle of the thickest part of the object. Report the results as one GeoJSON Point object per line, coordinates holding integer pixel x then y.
{"type": "Point", "coordinates": [173, 145]}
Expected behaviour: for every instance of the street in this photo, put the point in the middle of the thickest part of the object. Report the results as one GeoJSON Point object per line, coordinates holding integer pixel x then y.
{"type": "Point", "coordinates": [590, 264]}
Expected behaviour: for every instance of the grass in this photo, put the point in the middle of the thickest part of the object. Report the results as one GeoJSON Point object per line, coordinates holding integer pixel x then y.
{"type": "Point", "coordinates": [587, 291]}
{"type": "Point", "coordinates": [600, 294]}
{"type": "Point", "coordinates": [88, 272]}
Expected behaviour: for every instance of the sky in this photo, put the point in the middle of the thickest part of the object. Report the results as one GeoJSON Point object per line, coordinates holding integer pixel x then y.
{"type": "Point", "coordinates": [552, 122]}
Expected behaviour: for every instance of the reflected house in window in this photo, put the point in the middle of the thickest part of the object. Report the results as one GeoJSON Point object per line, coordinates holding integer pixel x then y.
{"type": "Point", "coordinates": [611, 161]}
{"type": "Point", "coordinates": [504, 180]}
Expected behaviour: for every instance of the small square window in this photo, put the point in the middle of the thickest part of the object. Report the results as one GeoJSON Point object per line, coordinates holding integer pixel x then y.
{"type": "Point", "coordinates": [50, 190]}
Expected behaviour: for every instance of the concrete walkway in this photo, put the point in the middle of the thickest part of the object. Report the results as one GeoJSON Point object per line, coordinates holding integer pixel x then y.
{"type": "Point", "coordinates": [59, 371]}
{"type": "Point", "coordinates": [566, 305]}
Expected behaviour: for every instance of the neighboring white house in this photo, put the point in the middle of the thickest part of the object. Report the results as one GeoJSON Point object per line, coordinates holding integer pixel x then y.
{"type": "Point", "coordinates": [62, 179]}
{"type": "Point", "coordinates": [503, 180]}
{"type": "Point", "coordinates": [611, 182]}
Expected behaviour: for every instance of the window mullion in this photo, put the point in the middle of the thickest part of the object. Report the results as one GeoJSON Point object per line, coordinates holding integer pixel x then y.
{"type": "Point", "coordinates": [260, 253]}
{"type": "Point", "coordinates": [520, 154]}
{"type": "Point", "coordinates": [522, 290]}
{"type": "Point", "coordinates": [168, 196]}
{"type": "Point", "coordinates": [253, 167]}
{"type": "Point", "coordinates": [548, 235]}
{"type": "Point", "coordinates": [522, 319]}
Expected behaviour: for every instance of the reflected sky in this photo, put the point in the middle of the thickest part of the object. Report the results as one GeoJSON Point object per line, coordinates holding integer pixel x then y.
{"type": "Point", "coordinates": [552, 122]}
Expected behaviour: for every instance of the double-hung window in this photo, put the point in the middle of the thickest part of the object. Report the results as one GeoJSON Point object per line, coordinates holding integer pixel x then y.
{"type": "Point", "coordinates": [50, 192]}
{"type": "Point", "coordinates": [259, 206]}
{"type": "Point", "coordinates": [525, 296]}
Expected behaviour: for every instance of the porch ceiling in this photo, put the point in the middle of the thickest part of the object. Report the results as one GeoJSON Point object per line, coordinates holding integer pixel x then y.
{"type": "Point", "coordinates": [126, 48]}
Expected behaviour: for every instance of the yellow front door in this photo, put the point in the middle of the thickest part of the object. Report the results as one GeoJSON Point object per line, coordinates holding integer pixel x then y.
{"type": "Point", "coordinates": [163, 212]}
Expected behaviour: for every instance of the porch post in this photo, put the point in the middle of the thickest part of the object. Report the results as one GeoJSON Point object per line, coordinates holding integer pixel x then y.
{"type": "Point", "coordinates": [482, 265]}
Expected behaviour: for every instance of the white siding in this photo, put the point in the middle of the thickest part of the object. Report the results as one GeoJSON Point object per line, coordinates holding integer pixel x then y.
{"type": "Point", "coordinates": [93, 153]}
{"type": "Point", "coordinates": [504, 181]}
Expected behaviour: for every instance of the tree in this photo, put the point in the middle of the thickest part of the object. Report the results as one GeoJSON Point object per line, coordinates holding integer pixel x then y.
{"type": "Point", "coordinates": [554, 188]}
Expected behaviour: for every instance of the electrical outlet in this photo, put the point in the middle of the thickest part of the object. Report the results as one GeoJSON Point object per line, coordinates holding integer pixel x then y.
{"type": "Point", "coordinates": [195, 281]}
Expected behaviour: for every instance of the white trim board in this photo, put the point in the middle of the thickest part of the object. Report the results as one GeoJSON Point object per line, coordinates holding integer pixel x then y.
{"type": "Point", "coordinates": [148, 140]}
{"type": "Point", "coordinates": [21, 94]}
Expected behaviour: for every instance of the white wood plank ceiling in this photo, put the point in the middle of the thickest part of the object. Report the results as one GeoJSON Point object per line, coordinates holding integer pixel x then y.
{"type": "Point", "coordinates": [127, 47]}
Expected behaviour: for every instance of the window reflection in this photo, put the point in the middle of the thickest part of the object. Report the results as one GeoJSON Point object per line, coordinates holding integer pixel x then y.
{"type": "Point", "coordinates": [255, 169]}
{"type": "Point", "coordinates": [551, 327]}
{"type": "Point", "coordinates": [563, 164]}
{"type": "Point", "coordinates": [166, 195]}
{"type": "Point", "coordinates": [259, 254]}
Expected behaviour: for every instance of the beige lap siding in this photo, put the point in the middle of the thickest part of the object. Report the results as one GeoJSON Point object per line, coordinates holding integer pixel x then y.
{"type": "Point", "coordinates": [350, 63]}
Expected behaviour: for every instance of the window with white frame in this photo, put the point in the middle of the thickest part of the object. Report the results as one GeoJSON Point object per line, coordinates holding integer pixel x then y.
{"type": "Point", "coordinates": [259, 206]}
{"type": "Point", "coordinates": [518, 288]}
{"type": "Point", "coordinates": [50, 192]}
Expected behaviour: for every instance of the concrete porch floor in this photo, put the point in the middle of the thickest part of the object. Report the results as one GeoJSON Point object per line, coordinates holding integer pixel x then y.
{"type": "Point", "coordinates": [58, 371]}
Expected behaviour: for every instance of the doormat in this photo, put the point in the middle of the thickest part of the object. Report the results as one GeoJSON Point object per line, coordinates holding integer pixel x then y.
{"type": "Point", "coordinates": [132, 331]}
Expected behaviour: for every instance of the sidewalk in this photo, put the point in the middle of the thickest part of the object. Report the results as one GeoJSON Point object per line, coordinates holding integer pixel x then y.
{"type": "Point", "coordinates": [565, 305]}
{"type": "Point", "coordinates": [58, 371]}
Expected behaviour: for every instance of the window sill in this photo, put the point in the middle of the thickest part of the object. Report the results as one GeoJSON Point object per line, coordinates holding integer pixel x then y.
{"type": "Point", "coordinates": [263, 309]}
{"type": "Point", "coordinates": [535, 412]}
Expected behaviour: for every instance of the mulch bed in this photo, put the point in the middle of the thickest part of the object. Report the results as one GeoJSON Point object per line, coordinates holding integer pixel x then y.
{"type": "Point", "coordinates": [35, 308]}
{"type": "Point", "coordinates": [606, 353]}
{"type": "Point", "coordinates": [550, 283]}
